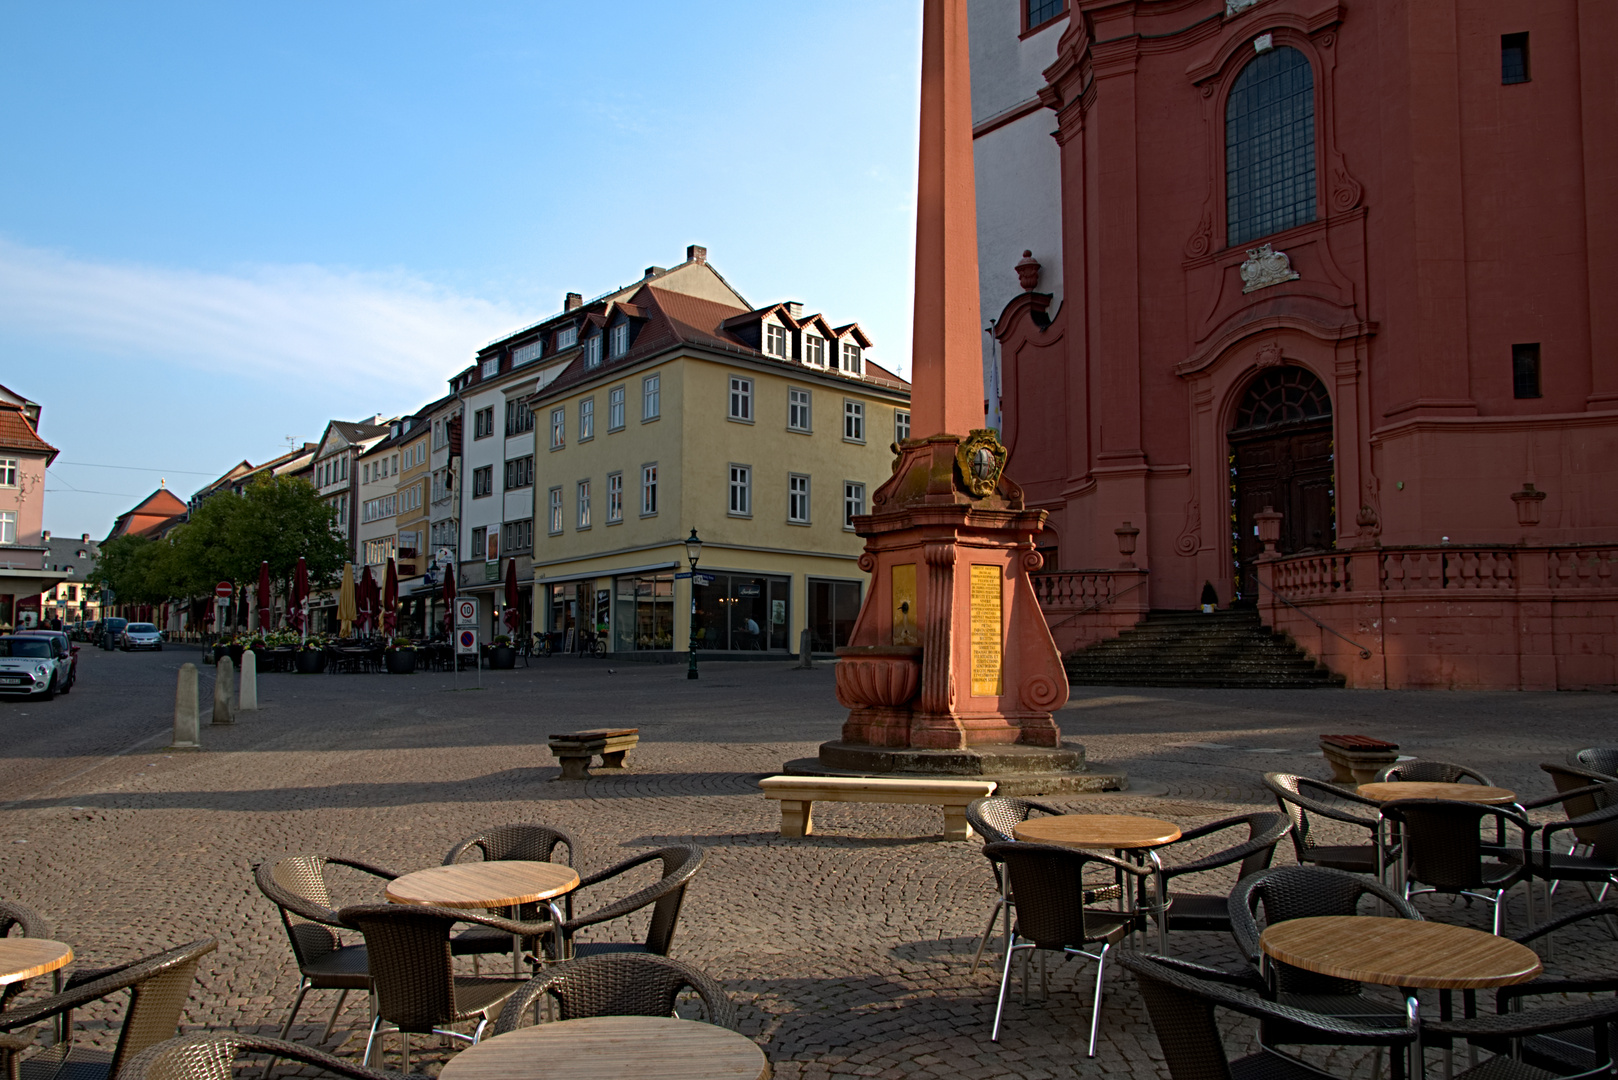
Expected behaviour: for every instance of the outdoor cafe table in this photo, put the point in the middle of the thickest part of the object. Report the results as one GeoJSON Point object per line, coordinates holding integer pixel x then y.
{"type": "Point", "coordinates": [503, 884]}
{"type": "Point", "coordinates": [1091, 832]}
{"type": "Point", "coordinates": [1410, 954]}
{"type": "Point", "coordinates": [612, 1048]}
{"type": "Point", "coordinates": [24, 957]}
{"type": "Point", "coordinates": [1390, 790]}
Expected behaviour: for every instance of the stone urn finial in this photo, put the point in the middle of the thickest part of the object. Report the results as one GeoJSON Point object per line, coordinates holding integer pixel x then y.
{"type": "Point", "coordinates": [1269, 528]}
{"type": "Point", "coordinates": [1028, 272]}
{"type": "Point", "coordinates": [1126, 544]}
{"type": "Point", "coordinates": [1528, 501]}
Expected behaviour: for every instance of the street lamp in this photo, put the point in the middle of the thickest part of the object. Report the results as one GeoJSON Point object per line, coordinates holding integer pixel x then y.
{"type": "Point", "coordinates": [693, 552]}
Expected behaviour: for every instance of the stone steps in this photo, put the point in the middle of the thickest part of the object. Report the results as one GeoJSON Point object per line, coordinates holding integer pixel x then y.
{"type": "Point", "coordinates": [1174, 648]}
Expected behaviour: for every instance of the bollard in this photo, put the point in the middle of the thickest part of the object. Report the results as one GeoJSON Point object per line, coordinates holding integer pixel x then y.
{"type": "Point", "coordinates": [806, 659]}
{"type": "Point", "coordinates": [247, 697]}
{"type": "Point", "coordinates": [187, 735]}
{"type": "Point", "coordinates": [224, 709]}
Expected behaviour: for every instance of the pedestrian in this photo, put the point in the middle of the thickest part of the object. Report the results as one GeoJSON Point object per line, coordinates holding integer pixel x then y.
{"type": "Point", "coordinates": [752, 631]}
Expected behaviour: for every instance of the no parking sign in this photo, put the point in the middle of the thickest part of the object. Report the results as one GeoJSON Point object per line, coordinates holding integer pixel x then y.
{"type": "Point", "coordinates": [466, 641]}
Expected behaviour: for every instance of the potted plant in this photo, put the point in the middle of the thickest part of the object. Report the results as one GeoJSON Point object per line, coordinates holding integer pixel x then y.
{"type": "Point", "coordinates": [502, 655]}
{"type": "Point", "coordinates": [400, 656]}
{"type": "Point", "coordinates": [311, 659]}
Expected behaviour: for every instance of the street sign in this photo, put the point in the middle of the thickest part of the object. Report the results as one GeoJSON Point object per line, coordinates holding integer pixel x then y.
{"type": "Point", "coordinates": [466, 611]}
{"type": "Point", "coordinates": [682, 575]}
{"type": "Point", "coordinates": [466, 641]}
{"type": "Point", "coordinates": [223, 590]}
{"type": "Point", "coordinates": [702, 579]}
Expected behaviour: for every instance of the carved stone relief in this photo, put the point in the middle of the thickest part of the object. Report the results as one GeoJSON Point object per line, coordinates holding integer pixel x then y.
{"type": "Point", "coordinates": [1265, 267]}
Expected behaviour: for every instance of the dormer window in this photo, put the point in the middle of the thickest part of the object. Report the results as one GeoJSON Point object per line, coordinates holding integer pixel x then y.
{"type": "Point", "coordinates": [775, 340]}
{"type": "Point", "coordinates": [619, 344]}
{"type": "Point", "coordinates": [491, 367]}
{"type": "Point", "coordinates": [526, 353]}
{"type": "Point", "coordinates": [567, 338]}
{"type": "Point", "coordinates": [851, 358]}
{"type": "Point", "coordinates": [814, 350]}
{"type": "Point", "coordinates": [592, 351]}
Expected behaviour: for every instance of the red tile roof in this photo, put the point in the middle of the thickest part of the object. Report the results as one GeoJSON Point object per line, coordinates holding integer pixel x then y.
{"type": "Point", "coordinates": [16, 433]}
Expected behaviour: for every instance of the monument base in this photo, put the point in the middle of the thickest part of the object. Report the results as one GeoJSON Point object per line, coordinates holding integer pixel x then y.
{"type": "Point", "coordinates": [1016, 769]}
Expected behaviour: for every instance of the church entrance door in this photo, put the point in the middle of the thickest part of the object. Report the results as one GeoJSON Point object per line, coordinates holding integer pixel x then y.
{"type": "Point", "coordinates": [1281, 457]}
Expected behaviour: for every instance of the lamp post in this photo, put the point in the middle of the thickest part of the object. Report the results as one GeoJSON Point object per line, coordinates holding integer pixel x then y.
{"type": "Point", "coordinates": [693, 552]}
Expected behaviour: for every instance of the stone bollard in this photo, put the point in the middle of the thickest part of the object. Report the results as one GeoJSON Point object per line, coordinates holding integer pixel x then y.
{"type": "Point", "coordinates": [224, 709]}
{"type": "Point", "coordinates": [187, 734]}
{"type": "Point", "coordinates": [247, 697]}
{"type": "Point", "coordinates": [806, 659]}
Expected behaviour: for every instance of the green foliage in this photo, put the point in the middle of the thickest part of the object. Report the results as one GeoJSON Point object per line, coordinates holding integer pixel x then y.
{"type": "Point", "coordinates": [275, 520]}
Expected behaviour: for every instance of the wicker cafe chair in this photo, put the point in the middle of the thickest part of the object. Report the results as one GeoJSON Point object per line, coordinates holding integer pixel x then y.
{"type": "Point", "coordinates": [1299, 797]}
{"type": "Point", "coordinates": [994, 819]}
{"type": "Point", "coordinates": [1299, 892]}
{"type": "Point", "coordinates": [28, 923]}
{"type": "Point", "coordinates": [1191, 911]}
{"type": "Point", "coordinates": [621, 984]}
{"type": "Point", "coordinates": [1521, 1036]}
{"type": "Point", "coordinates": [1443, 851]}
{"type": "Point", "coordinates": [1431, 772]}
{"type": "Point", "coordinates": [1048, 883]}
{"type": "Point", "coordinates": [213, 1057]}
{"type": "Point", "coordinates": [416, 989]}
{"type": "Point", "coordinates": [1601, 759]}
{"type": "Point", "coordinates": [664, 897]}
{"type": "Point", "coordinates": [1596, 833]}
{"type": "Point", "coordinates": [1180, 999]}
{"type": "Point", "coordinates": [158, 988]}
{"type": "Point", "coordinates": [527, 843]}
{"type": "Point", "coordinates": [296, 884]}
{"type": "Point", "coordinates": [1570, 1051]}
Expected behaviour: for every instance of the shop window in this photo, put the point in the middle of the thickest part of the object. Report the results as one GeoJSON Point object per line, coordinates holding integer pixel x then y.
{"type": "Point", "coordinates": [1270, 146]}
{"type": "Point", "coordinates": [833, 607]}
{"type": "Point", "coordinates": [643, 619]}
{"type": "Point", "coordinates": [742, 613]}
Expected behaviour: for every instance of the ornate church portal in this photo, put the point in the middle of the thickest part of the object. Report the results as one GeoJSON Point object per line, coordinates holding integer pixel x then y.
{"type": "Point", "coordinates": [1281, 457]}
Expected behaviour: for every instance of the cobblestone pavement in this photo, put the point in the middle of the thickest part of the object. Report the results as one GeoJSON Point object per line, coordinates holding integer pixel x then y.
{"type": "Point", "coordinates": [848, 952]}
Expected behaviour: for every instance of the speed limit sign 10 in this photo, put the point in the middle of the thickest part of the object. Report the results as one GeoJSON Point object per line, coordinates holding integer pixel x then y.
{"type": "Point", "coordinates": [466, 612]}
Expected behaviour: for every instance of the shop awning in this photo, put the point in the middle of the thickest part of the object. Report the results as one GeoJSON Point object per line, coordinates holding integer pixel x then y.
{"type": "Point", "coordinates": [613, 571]}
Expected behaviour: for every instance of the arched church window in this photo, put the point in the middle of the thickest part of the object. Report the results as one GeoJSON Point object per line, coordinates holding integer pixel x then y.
{"type": "Point", "coordinates": [1270, 146]}
{"type": "Point", "coordinates": [1283, 395]}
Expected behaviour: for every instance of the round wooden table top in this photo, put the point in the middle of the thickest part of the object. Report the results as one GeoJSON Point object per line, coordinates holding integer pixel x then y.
{"type": "Point", "coordinates": [24, 957]}
{"type": "Point", "coordinates": [1420, 789]}
{"type": "Point", "coordinates": [483, 884]}
{"type": "Point", "coordinates": [1115, 831]}
{"type": "Point", "coordinates": [612, 1048]}
{"type": "Point", "coordinates": [1400, 952]}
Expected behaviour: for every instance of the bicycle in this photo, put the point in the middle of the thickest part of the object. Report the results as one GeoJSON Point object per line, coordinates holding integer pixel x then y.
{"type": "Point", "coordinates": [592, 644]}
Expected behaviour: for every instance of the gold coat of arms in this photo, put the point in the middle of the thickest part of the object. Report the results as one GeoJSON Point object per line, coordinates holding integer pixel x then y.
{"type": "Point", "coordinates": [979, 460]}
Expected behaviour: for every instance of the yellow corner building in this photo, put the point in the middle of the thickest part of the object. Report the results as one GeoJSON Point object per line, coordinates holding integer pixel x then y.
{"type": "Point", "coordinates": [765, 431]}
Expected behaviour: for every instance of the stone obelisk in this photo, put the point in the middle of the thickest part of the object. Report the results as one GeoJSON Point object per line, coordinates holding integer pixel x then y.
{"type": "Point", "coordinates": [951, 669]}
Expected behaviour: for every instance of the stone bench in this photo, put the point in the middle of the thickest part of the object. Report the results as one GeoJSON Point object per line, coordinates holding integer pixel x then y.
{"type": "Point", "coordinates": [798, 794]}
{"type": "Point", "coordinates": [1356, 759]}
{"type": "Point", "coordinates": [574, 749]}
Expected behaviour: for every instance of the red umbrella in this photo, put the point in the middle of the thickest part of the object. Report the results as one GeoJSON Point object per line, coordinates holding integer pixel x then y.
{"type": "Point", "coordinates": [513, 612]}
{"type": "Point", "coordinates": [449, 598]}
{"type": "Point", "coordinates": [366, 600]}
{"type": "Point", "coordinates": [300, 593]}
{"type": "Point", "coordinates": [263, 596]}
{"type": "Point", "coordinates": [390, 598]}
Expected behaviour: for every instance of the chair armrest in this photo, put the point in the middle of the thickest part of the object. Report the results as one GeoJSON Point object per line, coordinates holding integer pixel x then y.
{"type": "Point", "coordinates": [1560, 796]}
{"type": "Point", "coordinates": [1513, 1025]}
{"type": "Point", "coordinates": [1220, 858]}
{"type": "Point", "coordinates": [615, 869]}
{"type": "Point", "coordinates": [1247, 980]}
{"type": "Point", "coordinates": [1588, 911]}
{"type": "Point", "coordinates": [364, 867]}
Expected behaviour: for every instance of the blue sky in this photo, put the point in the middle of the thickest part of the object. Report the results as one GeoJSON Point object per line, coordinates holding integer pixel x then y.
{"type": "Point", "coordinates": [224, 224]}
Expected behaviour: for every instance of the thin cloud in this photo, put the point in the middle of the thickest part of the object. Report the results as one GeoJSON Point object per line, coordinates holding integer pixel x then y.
{"type": "Point", "coordinates": [267, 322]}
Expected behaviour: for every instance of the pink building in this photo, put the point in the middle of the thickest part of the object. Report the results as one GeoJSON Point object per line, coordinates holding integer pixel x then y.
{"type": "Point", "coordinates": [23, 458]}
{"type": "Point", "coordinates": [1355, 263]}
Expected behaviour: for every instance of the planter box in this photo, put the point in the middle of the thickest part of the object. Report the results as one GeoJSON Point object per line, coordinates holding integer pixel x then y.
{"type": "Point", "coordinates": [502, 658]}
{"type": "Point", "coordinates": [400, 661]}
{"type": "Point", "coordinates": [310, 661]}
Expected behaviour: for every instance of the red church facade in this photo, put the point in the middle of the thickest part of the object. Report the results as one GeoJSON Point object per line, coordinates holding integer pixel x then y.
{"type": "Point", "coordinates": [1357, 263]}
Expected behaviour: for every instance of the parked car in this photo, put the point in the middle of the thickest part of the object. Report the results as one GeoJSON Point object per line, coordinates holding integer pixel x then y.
{"type": "Point", "coordinates": [83, 630]}
{"type": "Point", "coordinates": [34, 665]}
{"type": "Point", "coordinates": [67, 643]}
{"type": "Point", "coordinates": [140, 635]}
{"type": "Point", "coordinates": [110, 630]}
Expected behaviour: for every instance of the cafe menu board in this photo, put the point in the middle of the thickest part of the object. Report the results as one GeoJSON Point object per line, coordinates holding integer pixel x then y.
{"type": "Point", "coordinates": [987, 678]}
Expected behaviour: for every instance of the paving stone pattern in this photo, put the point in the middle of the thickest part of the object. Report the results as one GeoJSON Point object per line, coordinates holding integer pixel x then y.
{"type": "Point", "coordinates": [848, 952]}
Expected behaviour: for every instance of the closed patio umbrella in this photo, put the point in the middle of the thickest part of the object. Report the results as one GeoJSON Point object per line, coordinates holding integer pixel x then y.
{"type": "Point", "coordinates": [390, 598]}
{"type": "Point", "coordinates": [449, 600]}
{"type": "Point", "coordinates": [264, 614]}
{"type": "Point", "coordinates": [366, 598]}
{"type": "Point", "coordinates": [345, 602]}
{"type": "Point", "coordinates": [300, 593]}
{"type": "Point", "coordinates": [513, 612]}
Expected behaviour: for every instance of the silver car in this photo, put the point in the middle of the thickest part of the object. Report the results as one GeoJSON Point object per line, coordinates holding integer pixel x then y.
{"type": "Point", "coordinates": [140, 635]}
{"type": "Point", "coordinates": [34, 665]}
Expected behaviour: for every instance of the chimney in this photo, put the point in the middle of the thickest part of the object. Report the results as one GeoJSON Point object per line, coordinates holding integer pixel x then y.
{"type": "Point", "coordinates": [794, 308]}
{"type": "Point", "coordinates": [653, 271]}
{"type": "Point", "coordinates": [84, 538]}
{"type": "Point", "coordinates": [46, 536]}
{"type": "Point", "coordinates": [696, 253]}
{"type": "Point", "coordinates": [574, 301]}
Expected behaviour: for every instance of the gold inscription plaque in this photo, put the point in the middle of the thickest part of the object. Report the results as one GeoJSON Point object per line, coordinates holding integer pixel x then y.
{"type": "Point", "coordinates": [903, 587]}
{"type": "Point", "coordinates": [986, 673]}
